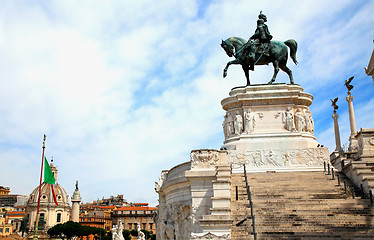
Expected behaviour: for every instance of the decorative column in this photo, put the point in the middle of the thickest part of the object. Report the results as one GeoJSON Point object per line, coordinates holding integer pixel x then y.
{"type": "Point", "coordinates": [352, 119]}
{"type": "Point", "coordinates": [337, 134]}
{"type": "Point", "coordinates": [76, 199]}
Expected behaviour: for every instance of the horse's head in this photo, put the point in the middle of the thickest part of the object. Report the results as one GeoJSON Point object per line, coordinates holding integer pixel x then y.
{"type": "Point", "coordinates": [229, 49]}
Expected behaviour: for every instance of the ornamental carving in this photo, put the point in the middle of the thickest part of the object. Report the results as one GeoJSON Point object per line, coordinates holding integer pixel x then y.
{"type": "Point", "coordinates": [204, 157]}
{"type": "Point", "coordinates": [158, 185]}
{"type": "Point", "coordinates": [371, 141]}
{"type": "Point", "coordinates": [210, 235]}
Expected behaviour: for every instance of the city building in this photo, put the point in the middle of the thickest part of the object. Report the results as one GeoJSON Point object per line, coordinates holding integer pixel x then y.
{"type": "Point", "coordinates": [50, 213]}
{"type": "Point", "coordinates": [137, 213]}
{"type": "Point", "coordinates": [11, 200]}
{"type": "Point", "coordinates": [6, 228]}
{"type": "Point", "coordinates": [4, 190]}
{"type": "Point", "coordinates": [99, 218]}
{"type": "Point", "coordinates": [115, 201]}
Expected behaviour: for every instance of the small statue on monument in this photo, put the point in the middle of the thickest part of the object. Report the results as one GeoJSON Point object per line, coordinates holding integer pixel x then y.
{"type": "Point", "coordinates": [333, 104]}
{"type": "Point", "coordinates": [141, 235]}
{"type": "Point", "coordinates": [229, 124]}
{"type": "Point", "coordinates": [299, 120]}
{"type": "Point", "coordinates": [117, 231]}
{"type": "Point", "coordinates": [288, 119]}
{"type": "Point", "coordinates": [238, 124]}
{"type": "Point", "coordinates": [249, 121]}
{"type": "Point", "coordinates": [309, 123]}
{"type": "Point", "coordinates": [348, 85]}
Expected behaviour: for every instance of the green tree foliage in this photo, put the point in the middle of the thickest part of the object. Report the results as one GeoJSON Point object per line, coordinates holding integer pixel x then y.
{"type": "Point", "coordinates": [126, 234]}
{"type": "Point", "coordinates": [149, 234]}
{"type": "Point", "coordinates": [71, 229]}
{"type": "Point", "coordinates": [134, 233]}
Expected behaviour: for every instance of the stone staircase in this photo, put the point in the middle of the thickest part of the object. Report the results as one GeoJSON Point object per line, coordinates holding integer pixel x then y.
{"type": "Point", "coordinates": [299, 205]}
{"type": "Point", "coordinates": [361, 171]}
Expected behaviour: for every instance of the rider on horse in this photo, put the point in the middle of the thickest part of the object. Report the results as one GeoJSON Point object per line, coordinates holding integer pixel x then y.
{"type": "Point", "coordinates": [261, 40]}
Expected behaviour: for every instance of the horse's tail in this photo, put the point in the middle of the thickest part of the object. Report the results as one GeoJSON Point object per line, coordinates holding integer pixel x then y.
{"type": "Point", "coordinates": [292, 44]}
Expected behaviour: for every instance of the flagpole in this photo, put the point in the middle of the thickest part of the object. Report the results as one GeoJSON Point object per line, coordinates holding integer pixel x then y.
{"type": "Point", "coordinates": [40, 189]}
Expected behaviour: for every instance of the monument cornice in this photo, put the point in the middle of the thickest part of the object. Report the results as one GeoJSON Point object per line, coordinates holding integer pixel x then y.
{"type": "Point", "coordinates": [262, 95]}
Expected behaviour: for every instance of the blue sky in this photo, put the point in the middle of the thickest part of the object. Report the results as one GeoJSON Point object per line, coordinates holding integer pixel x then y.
{"type": "Point", "coordinates": [125, 89]}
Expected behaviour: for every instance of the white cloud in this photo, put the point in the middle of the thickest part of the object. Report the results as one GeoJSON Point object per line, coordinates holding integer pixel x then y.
{"type": "Point", "coordinates": [126, 89]}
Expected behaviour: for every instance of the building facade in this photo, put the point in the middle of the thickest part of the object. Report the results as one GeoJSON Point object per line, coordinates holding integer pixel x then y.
{"type": "Point", "coordinates": [138, 213]}
{"type": "Point", "coordinates": [50, 213]}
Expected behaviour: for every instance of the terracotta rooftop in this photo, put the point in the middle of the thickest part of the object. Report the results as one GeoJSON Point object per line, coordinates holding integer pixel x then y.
{"type": "Point", "coordinates": [134, 208]}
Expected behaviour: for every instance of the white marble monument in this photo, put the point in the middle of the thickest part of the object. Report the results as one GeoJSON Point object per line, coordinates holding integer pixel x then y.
{"type": "Point", "coordinates": [279, 135]}
{"type": "Point", "coordinates": [266, 127]}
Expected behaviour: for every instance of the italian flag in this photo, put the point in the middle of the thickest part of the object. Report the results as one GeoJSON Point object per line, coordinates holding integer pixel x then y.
{"type": "Point", "coordinates": [49, 178]}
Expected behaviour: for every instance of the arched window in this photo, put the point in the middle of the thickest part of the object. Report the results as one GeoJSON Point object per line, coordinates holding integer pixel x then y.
{"type": "Point", "coordinates": [58, 217]}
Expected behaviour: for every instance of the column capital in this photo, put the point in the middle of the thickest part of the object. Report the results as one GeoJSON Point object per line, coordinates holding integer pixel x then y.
{"type": "Point", "coordinates": [349, 98]}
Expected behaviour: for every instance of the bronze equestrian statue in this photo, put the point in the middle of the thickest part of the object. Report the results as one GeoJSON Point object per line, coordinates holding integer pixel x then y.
{"type": "Point", "coordinates": [260, 50]}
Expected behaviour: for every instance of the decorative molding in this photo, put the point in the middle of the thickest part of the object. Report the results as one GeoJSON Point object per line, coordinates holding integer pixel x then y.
{"type": "Point", "coordinates": [210, 235]}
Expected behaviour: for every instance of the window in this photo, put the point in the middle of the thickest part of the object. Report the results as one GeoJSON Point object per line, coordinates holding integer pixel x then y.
{"type": "Point", "coordinates": [58, 217]}
{"type": "Point", "coordinates": [41, 216]}
{"type": "Point", "coordinates": [130, 225]}
{"type": "Point", "coordinates": [144, 225]}
{"type": "Point", "coordinates": [150, 225]}
{"type": "Point", "coordinates": [6, 230]}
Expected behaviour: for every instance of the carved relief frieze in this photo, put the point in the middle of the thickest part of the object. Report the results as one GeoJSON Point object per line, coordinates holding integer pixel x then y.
{"type": "Point", "coordinates": [280, 158]}
{"type": "Point", "coordinates": [290, 158]}
{"type": "Point", "coordinates": [254, 158]}
{"type": "Point", "coordinates": [175, 221]}
{"type": "Point", "coordinates": [204, 157]}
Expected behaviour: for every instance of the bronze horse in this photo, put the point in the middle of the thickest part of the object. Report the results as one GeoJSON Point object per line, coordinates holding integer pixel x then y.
{"type": "Point", "coordinates": [278, 55]}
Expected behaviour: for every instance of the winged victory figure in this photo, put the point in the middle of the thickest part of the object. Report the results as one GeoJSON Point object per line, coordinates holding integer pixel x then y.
{"type": "Point", "coordinates": [347, 83]}
{"type": "Point", "coordinates": [333, 103]}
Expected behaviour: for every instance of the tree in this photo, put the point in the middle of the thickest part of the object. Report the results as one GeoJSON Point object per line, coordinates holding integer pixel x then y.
{"type": "Point", "coordinates": [56, 231]}
{"type": "Point", "coordinates": [126, 234]}
{"type": "Point", "coordinates": [149, 234]}
{"type": "Point", "coordinates": [134, 233]}
{"type": "Point", "coordinates": [70, 229]}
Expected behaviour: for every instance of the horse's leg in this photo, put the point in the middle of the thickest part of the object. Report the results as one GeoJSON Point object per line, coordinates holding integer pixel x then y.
{"type": "Point", "coordinates": [276, 70]}
{"type": "Point", "coordinates": [288, 71]}
{"type": "Point", "coordinates": [236, 61]}
{"type": "Point", "coordinates": [246, 72]}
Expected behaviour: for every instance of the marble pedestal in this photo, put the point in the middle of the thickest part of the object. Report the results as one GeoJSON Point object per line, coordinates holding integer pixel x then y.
{"type": "Point", "coordinates": [270, 128]}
